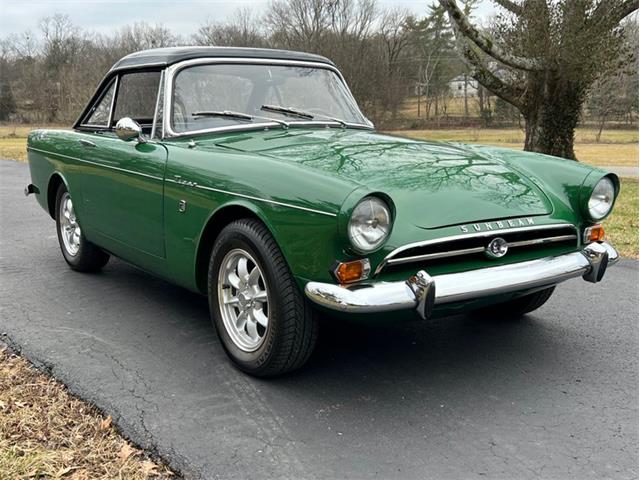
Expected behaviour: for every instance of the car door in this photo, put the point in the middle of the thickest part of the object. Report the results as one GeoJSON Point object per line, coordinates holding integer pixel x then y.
{"type": "Point", "coordinates": [123, 184]}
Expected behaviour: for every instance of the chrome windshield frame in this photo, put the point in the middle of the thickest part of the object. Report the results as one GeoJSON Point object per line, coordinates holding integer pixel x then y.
{"type": "Point", "coordinates": [172, 71]}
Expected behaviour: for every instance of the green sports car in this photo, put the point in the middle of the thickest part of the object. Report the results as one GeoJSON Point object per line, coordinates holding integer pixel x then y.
{"type": "Point", "coordinates": [251, 176]}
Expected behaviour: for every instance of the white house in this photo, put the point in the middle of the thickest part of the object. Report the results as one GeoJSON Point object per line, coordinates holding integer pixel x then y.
{"type": "Point", "coordinates": [457, 86]}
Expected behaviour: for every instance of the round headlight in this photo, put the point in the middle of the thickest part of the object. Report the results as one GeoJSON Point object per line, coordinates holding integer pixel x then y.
{"type": "Point", "coordinates": [601, 199]}
{"type": "Point", "coordinates": [369, 224]}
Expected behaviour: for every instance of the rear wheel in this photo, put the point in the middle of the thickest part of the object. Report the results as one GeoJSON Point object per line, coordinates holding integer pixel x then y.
{"type": "Point", "coordinates": [79, 253]}
{"type": "Point", "coordinates": [265, 324]}
{"type": "Point", "coordinates": [519, 306]}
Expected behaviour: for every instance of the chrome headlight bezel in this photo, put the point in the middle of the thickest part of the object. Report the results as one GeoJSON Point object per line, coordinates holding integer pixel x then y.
{"type": "Point", "coordinates": [601, 199]}
{"type": "Point", "coordinates": [369, 224]}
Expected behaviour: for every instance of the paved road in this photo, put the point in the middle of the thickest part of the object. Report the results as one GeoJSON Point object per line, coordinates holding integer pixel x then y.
{"type": "Point", "coordinates": [552, 396]}
{"type": "Point", "coordinates": [623, 171]}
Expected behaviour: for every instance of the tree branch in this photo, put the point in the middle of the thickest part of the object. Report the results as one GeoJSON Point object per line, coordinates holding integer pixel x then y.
{"type": "Point", "coordinates": [613, 13]}
{"type": "Point", "coordinates": [486, 43]}
{"type": "Point", "coordinates": [510, 93]}
{"type": "Point", "coordinates": [626, 9]}
{"type": "Point", "coordinates": [511, 6]}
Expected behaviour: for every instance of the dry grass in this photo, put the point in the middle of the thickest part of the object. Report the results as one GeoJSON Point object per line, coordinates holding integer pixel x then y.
{"type": "Point", "coordinates": [499, 136]}
{"type": "Point", "coordinates": [622, 225]}
{"type": "Point", "coordinates": [455, 107]}
{"type": "Point", "coordinates": [13, 149]}
{"type": "Point", "coordinates": [13, 140]}
{"type": "Point", "coordinates": [45, 432]}
{"type": "Point", "coordinates": [616, 147]}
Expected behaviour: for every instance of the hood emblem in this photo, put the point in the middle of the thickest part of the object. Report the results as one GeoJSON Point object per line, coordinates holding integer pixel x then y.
{"type": "Point", "coordinates": [500, 224]}
{"type": "Point", "coordinates": [497, 248]}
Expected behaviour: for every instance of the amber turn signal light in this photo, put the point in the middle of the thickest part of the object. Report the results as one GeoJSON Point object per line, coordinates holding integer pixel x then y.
{"type": "Point", "coordinates": [594, 234]}
{"type": "Point", "coordinates": [349, 272]}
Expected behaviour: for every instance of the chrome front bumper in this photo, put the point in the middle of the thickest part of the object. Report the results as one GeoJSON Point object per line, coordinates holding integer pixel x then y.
{"type": "Point", "coordinates": [422, 291]}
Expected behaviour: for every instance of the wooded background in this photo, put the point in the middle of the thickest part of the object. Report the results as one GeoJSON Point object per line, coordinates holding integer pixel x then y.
{"type": "Point", "coordinates": [405, 71]}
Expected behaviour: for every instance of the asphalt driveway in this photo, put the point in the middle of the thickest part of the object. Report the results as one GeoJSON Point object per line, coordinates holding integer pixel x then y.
{"type": "Point", "coordinates": [552, 396]}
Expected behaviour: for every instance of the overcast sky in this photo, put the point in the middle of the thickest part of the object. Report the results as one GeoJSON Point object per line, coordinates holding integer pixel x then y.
{"type": "Point", "coordinates": [183, 17]}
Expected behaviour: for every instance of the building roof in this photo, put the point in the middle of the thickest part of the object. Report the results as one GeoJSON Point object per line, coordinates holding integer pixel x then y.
{"type": "Point", "coordinates": [169, 56]}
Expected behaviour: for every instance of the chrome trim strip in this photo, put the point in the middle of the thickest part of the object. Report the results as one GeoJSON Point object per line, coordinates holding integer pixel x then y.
{"type": "Point", "coordinates": [111, 167]}
{"type": "Point", "coordinates": [590, 263]}
{"type": "Point", "coordinates": [154, 124]}
{"type": "Point", "coordinates": [116, 84]}
{"type": "Point", "coordinates": [175, 68]}
{"type": "Point", "coordinates": [434, 256]}
{"type": "Point", "coordinates": [537, 241]}
{"type": "Point", "coordinates": [488, 233]}
{"type": "Point", "coordinates": [257, 199]}
{"type": "Point", "coordinates": [263, 125]}
{"type": "Point", "coordinates": [468, 251]}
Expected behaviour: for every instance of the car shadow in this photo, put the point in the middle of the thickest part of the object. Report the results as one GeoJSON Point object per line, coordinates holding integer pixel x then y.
{"type": "Point", "coordinates": [416, 351]}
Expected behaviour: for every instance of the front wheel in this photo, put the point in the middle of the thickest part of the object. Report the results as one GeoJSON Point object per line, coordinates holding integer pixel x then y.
{"type": "Point", "coordinates": [266, 326]}
{"type": "Point", "coordinates": [79, 253]}
{"type": "Point", "coordinates": [519, 306]}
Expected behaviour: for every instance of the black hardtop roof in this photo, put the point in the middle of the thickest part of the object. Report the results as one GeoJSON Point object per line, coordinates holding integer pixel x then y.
{"type": "Point", "coordinates": [168, 56]}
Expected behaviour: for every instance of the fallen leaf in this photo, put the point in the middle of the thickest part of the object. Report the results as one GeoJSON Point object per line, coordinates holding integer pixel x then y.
{"type": "Point", "coordinates": [105, 423]}
{"type": "Point", "coordinates": [126, 451]}
{"type": "Point", "coordinates": [149, 468]}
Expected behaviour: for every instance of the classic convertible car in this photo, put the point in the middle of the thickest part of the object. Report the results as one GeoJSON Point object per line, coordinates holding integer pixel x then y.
{"type": "Point", "coordinates": [251, 176]}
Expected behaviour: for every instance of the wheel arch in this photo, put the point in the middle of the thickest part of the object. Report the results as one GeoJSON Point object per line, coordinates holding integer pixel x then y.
{"type": "Point", "coordinates": [220, 218]}
{"type": "Point", "coordinates": [55, 180]}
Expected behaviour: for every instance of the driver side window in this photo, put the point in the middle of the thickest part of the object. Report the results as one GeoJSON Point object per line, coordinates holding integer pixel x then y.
{"type": "Point", "coordinates": [136, 98]}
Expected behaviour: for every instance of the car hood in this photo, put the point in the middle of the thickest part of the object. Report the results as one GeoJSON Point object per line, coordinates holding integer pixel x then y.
{"type": "Point", "coordinates": [432, 184]}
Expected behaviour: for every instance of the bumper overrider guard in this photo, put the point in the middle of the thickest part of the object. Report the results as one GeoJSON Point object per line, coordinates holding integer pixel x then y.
{"type": "Point", "coordinates": [422, 291]}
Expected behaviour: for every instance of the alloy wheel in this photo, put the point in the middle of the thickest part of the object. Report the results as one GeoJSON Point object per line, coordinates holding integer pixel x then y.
{"type": "Point", "coordinates": [243, 300]}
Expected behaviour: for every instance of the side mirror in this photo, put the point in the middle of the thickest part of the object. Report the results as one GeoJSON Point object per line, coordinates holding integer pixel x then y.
{"type": "Point", "coordinates": [127, 129]}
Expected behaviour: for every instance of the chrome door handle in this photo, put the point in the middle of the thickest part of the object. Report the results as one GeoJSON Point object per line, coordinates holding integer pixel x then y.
{"type": "Point", "coordinates": [87, 143]}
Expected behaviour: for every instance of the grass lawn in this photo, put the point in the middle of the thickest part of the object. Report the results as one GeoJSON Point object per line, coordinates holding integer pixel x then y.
{"type": "Point", "coordinates": [45, 432]}
{"type": "Point", "coordinates": [616, 147]}
{"type": "Point", "coordinates": [622, 226]}
{"type": "Point", "coordinates": [13, 140]}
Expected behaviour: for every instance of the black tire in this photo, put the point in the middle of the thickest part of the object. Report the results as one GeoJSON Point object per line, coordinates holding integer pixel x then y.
{"type": "Point", "coordinates": [290, 335]}
{"type": "Point", "coordinates": [518, 307]}
{"type": "Point", "coordinates": [88, 257]}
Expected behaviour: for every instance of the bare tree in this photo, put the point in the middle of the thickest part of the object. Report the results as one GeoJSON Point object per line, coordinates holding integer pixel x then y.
{"type": "Point", "coordinates": [241, 30]}
{"type": "Point", "coordinates": [395, 38]}
{"type": "Point", "coordinates": [61, 45]}
{"type": "Point", "coordinates": [553, 52]}
{"type": "Point", "coordinates": [142, 36]}
{"type": "Point", "coordinates": [365, 42]}
{"type": "Point", "coordinates": [616, 96]}
{"type": "Point", "coordinates": [302, 23]}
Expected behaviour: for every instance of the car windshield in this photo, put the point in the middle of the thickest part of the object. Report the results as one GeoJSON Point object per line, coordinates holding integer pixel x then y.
{"type": "Point", "coordinates": [222, 95]}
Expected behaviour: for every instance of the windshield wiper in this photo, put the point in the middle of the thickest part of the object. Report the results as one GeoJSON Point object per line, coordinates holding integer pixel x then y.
{"type": "Point", "coordinates": [223, 113]}
{"type": "Point", "coordinates": [295, 112]}
{"type": "Point", "coordinates": [237, 115]}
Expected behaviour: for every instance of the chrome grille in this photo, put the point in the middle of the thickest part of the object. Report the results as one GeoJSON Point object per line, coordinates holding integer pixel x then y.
{"type": "Point", "coordinates": [460, 247]}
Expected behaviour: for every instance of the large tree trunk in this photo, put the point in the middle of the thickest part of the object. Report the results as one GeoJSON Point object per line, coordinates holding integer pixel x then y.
{"type": "Point", "coordinates": [551, 114]}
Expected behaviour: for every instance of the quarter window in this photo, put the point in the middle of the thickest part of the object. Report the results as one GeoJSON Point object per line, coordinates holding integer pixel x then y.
{"type": "Point", "coordinates": [99, 116]}
{"type": "Point", "coordinates": [137, 95]}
